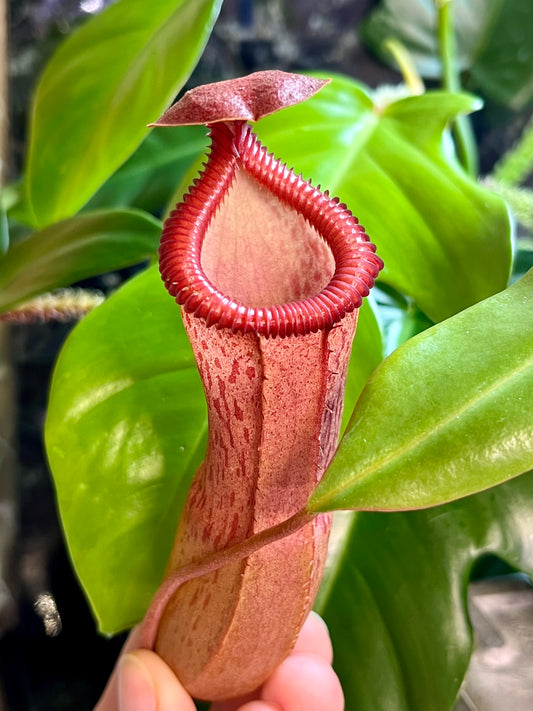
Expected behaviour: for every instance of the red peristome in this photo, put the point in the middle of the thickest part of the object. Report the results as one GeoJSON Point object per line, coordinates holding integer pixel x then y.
{"type": "Point", "coordinates": [235, 147]}
{"type": "Point", "coordinates": [248, 98]}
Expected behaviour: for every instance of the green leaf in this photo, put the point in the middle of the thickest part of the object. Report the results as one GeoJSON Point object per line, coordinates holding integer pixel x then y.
{"type": "Point", "coordinates": [15, 205]}
{"type": "Point", "coordinates": [414, 24]}
{"type": "Point", "coordinates": [394, 596]}
{"type": "Point", "coordinates": [4, 230]}
{"type": "Point", "coordinates": [444, 239]}
{"type": "Point", "coordinates": [103, 86]}
{"type": "Point", "coordinates": [182, 187]}
{"type": "Point", "coordinates": [150, 175]}
{"type": "Point", "coordinates": [446, 415]}
{"type": "Point", "coordinates": [367, 354]}
{"type": "Point", "coordinates": [125, 432]}
{"type": "Point", "coordinates": [523, 256]}
{"type": "Point", "coordinates": [401, 319]}
{"type": "Point", "coordinates": [75, 249]}
{"type": "Point", "coordinates": [493, 38]}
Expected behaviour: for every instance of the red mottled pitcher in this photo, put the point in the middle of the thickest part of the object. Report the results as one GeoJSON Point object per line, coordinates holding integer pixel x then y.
{"type": "Point", "coordinates": [270, 273]}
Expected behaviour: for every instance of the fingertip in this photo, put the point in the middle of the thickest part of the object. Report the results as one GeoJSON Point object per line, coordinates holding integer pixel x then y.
{"type": "Point", "coordinates": [304, 682]}
{"type": "Point", "coordinates": [234, 704]}
{"type": "Point", "coordinates": [260, 706]}
{"type": "Point", "coordinates": [146, 683]}
{"type": "Point", "coordinates": [314, 639]}
{"type": "Point", "coordinates": [135, 688]}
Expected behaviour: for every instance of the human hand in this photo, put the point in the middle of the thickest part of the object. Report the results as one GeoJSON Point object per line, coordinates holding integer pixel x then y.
{"type": "Point", "coordinates": [304, 681]}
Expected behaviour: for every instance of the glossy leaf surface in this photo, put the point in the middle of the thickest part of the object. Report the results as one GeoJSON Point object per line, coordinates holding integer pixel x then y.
{"type": "Point", "coordinates": [395, 594]}
{"type": "Point", "coordinates": [110, 78]}
{"type": "Point", "coordinates": [493, 37]}
{"type": "Point", "coordinates": [390, 164]}
{"type": "Point", "coordinates": [446, 415]}
{"type": "Point", "coordinates": [125, 432]}
{"type": "Point", "coordinates": [76, 249]}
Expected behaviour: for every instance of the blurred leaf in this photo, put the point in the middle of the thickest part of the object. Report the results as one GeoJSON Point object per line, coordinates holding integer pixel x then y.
{"type": "Point", "coordinates": [185, 183]}
{"type": "Point", "coordinates": [401, 319]}
{"type": "Point", "coordinates": [10, 196]}
{"type": "Point", "coordinates": [493, 38]}
{"type": "Point", "coordinates": [150, 175]}
{"type": "Point", "coordinates": [367, 354]}
{"type": "Point", "coordinates": [444, 239]}
{"type": "Point", "coordinates": [516, 164]}
{"type": "Point", "coordinates": [503, 64]}
{"type": "Point", "coordinates": [408, 323]}
{"type": "Point", "coordinates": [446, 415]}
{"type": "Point", "coordinates": [520, 201]}
{"type": "Point", "coordinates": [106, 82]}
{"type": "Point", "coordinates": [76, 249]}
{"type": "Point", "coordinates": [4, 230]}
{"type": "Point", "coordinates": [15, 205]}
{"type": "Point", "coordinates": [523, 256]}
{"type": "Point", "coordinates": [125, 433]}
{"type": "Point", "coordinates": [414, 24]}
{"type": "Point", "coordinates": [394, 596]}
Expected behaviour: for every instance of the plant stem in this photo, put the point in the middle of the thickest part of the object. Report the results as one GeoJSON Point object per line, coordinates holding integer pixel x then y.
{"type": "Point", "coordinates": [209, 564]}
{"type": "Point", "coordinates": [517, 164]}
{"type": "Point", "coordinates": [406, 65]}
{"type": "Point", "coordinates": [462, 128]}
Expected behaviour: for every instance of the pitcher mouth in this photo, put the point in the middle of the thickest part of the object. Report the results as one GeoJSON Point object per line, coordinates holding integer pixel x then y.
{"type": "Point", "coordinates": [355, 265]}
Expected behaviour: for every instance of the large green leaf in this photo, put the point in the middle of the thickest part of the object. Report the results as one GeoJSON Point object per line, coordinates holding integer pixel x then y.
{"type": "Point", "coordinates": [444, 239]}
{"type": "Point", "coordinates": [493, 38]}
{"type": "Point", "coordinates": [395, 594]}
{"type": "Point", "coordinates": [75, 249]}
{"type": "Point", "coordinates": [446, 415]}
{"type": "Point", "coordinates": [125, 432]}
{"type": "Point", "coordinates": [103, 86]}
